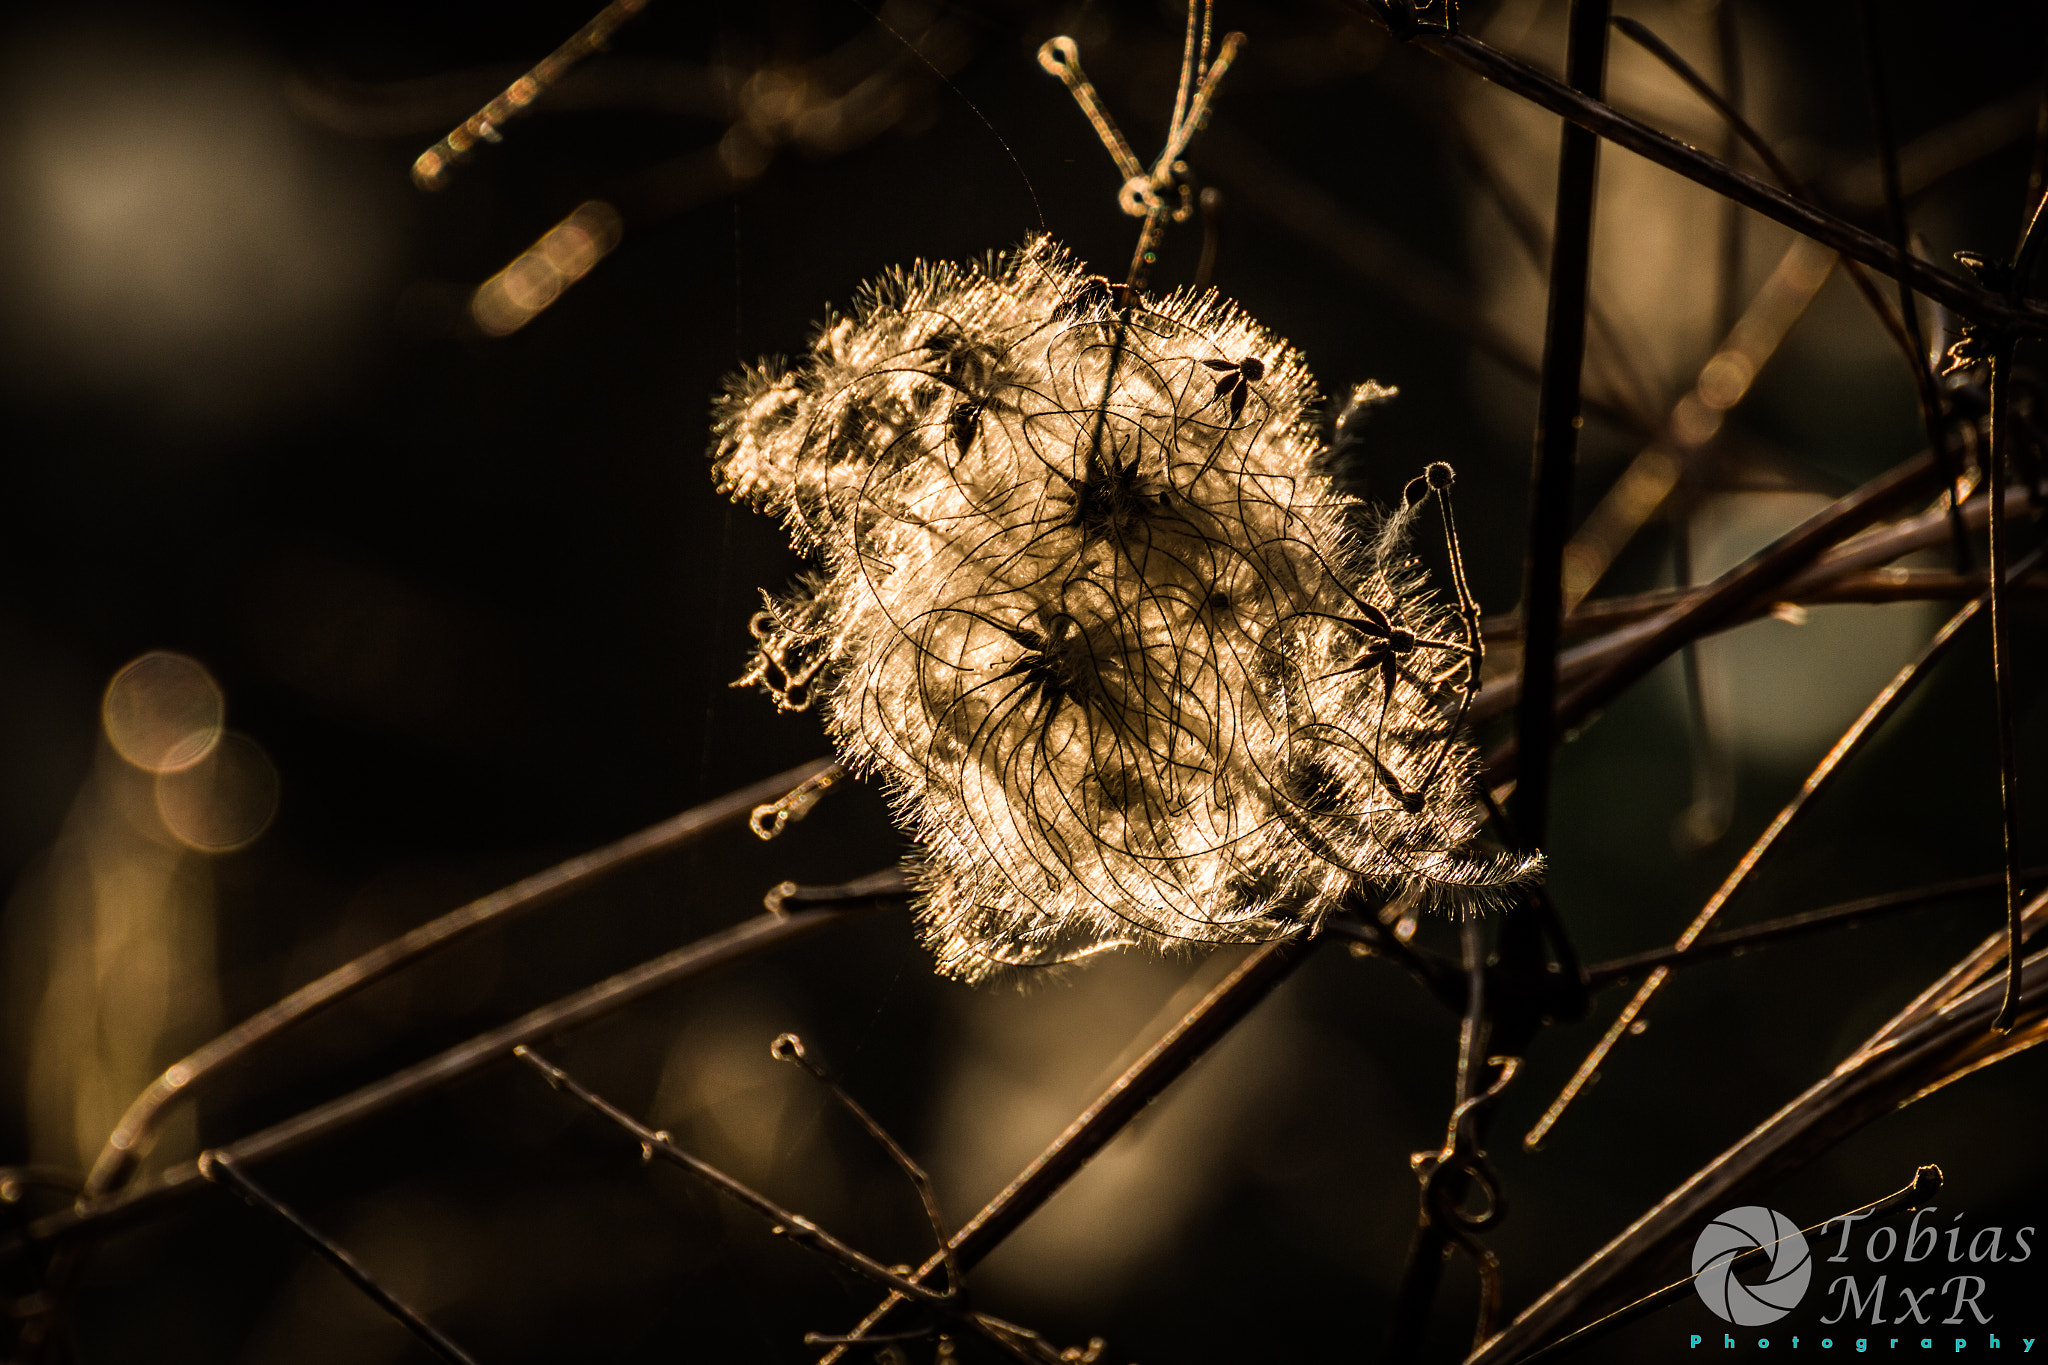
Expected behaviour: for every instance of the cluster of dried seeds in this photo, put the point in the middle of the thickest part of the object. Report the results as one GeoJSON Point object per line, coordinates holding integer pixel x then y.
{"type": "Point", "coordinates": [1131, 668]}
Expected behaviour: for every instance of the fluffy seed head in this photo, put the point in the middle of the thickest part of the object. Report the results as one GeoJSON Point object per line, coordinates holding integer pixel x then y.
{"type": "Point", "coordinates": [1132, 670]}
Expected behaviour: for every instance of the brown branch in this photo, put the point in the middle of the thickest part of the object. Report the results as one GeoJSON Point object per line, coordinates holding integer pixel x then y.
{"type": "Point", "coordinates": [1894, 1067]}
{"type": "Point", "coordinates": [1194, 1034]}
{"type": "Point", "coordinates": [222, 1169]}
{"type": "Point", "coordinates": [96, 1217]}
{"type": "Point", "coordinates": [789, 1048]}
{"type": "Point", "coordinates": [133, 1135]}
{"type": "Point", "coordinates": [1794, 184]}
{"type": "Point", "coordinates": [1713, 606]}
{"type": "Point", "coordinates": [1729, 942]}
{"type": "Point", "coordinates": [1556, 456]}
{"type": "Point", "coordinates": [1860, 731]}
{"type": "Point", "coordinates": [1925, 1184]}
{"type": "Point", "coordinates": [798, 1229]}
{"type": "Point", "coordinates": [1816, 589]}
{"type": "Point", "coordinates": [1998, 437]}
{"type": "Point", "coordinates": [439, 161]}
{"type": "Point", "coordinates": [1961, 297]}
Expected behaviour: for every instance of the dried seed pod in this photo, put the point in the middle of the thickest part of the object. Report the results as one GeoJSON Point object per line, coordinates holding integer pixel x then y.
{"type": "Point", "coordinates": [1126, 661]}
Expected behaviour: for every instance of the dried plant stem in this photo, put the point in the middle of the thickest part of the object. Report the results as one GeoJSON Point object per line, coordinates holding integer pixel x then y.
{"type": "Point", "coordinates": [90, 1218]}
{"type": "Point", "coordinates": [1192, 1035]}
{"type": "Point", "coordinates": [439, 161]}
{"type": "Point", "coordinates": [800, 1230]}
{"type": "Point", "coordinates": [222, 1169]}
{"type": "Point", "coordinates": [1999, 438]}
{"type": "Point", "coordinates": [1448, 1176]}
{"type": "Point", "coordinates": [1717, 604]}
{"type": "Point", "coordinates": [1557, 430]}
{"type": "Point", "coordinates": [1925, 1184]}
{"type": "Point", "coordinates": [1915, 356]}
{"type": "Point", "coordinates": [1902, 1062]}
{"type": "Point", "coordinates": [1966, 975]}
{"type": "Point", "coordinates": [790, 1048]}
{"type": "Point", "coordinates": [1260, 183]}
{"type": "Point", "coordinates": [1443, 979]}
{"type": "Point", "coordinates": [132, 1136]}
{"type": "Point", "coordinates": [1839, 566]}
{"type": "Point", "coordinates": [1850, 913]}
{"type": "Point", "coordinates": [1851, 742]}
{"type": "Point", "coordinates": [1436, 974]}
{"type": "Point", "coordinates": [1821, 588]}
{"type": "Point", "coordinates": [1966, 300]}
{"type": "Point", "coordinates": [1909, 314]}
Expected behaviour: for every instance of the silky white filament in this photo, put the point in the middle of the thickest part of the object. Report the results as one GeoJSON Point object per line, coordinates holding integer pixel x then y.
{"type": "Point", "coordinates": [1131, 669]}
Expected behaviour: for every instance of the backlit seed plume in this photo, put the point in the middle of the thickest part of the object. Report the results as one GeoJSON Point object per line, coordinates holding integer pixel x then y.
{"type": "Point", "coordinates": [1131, 669]}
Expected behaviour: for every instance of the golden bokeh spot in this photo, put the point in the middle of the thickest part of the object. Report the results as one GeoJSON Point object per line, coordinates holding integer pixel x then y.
{"type": "Point", "coordinates": [540, 274]}
{"type": "Point", "coordinates": [163, 712]}
{"type": "Point", "coordinates": [222, 802]}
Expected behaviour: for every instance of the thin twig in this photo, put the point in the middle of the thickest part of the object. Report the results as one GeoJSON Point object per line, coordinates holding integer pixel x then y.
{"type": "Point", "coordinates": [1866, 725]}
{"type": "Point", "coordinates": [788, 1047]}
{"type": "Point", "coordinates": [1843, 564]}
{"type": "Point", "coordinates": [1718, 603]}
{"type": "Point", "coordinates": [1822, 587]}
{"type": "Point", "coordinates": [1646, 38]}
{"type": "Point", "coordinates": [1895, 1066]}
{"type": "Point", "coordinates": [220, 1168]}
{"type": "Point", "coordinates": [1263, 186]}
{"type": "Point", "coordinates": [1997, 439]}
{"type": "Point", "coordinates": [1447, 1176]}
{"type": "Point", "coordinates": [1846, 915]}
{"type": "Point", "coordinates": [1903, 327]}
{"type": "Point", "coordinates": [1438, 975]}
{"type": "Point", "coordinates": [800, 1230]}
{"type": "Point", "coordinates": [434, 166]}
{"type": "Point", "coordinates": [1194, 1034]}
{"type": "Point", "coordinates": [133, 1135]}
{"type": "Point", "coordinates": [99, 1216]}
{"type": "Point", "coordinates": [1707, 814]}
{"type": "Point", "coordinates": [886, 884]}
{"type": "Point", "coordinates": [1522, 973]}
{"type": "Point", "coordinates": [1925, 1184]}
{"type": "Point", "coordinates": [1968, 973]}
{"type": "Point", "coordinates": [1909, 313]}
{"type": "Point", "coordinates": [1965, 299]}
{"type": "Point", "coordinates": [1144, 193]}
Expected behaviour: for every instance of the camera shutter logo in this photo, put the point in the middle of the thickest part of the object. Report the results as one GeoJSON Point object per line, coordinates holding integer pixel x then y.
{"type": "Point", "coordinates": [1789, 1267]}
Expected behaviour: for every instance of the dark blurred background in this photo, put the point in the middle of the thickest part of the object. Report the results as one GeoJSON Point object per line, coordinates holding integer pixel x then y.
{"type": "Point", "coordinates": [468, 605]}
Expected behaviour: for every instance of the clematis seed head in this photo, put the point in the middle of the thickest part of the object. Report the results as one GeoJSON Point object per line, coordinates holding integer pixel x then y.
{"type": "Point", "coordinates": [1130, 667]}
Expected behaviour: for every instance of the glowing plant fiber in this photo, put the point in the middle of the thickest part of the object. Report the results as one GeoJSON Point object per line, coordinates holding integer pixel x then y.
{"type": "Point", "coordinates": [1131, 668]}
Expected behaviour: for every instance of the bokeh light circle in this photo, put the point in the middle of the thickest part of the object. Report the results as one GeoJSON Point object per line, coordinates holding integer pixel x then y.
{"type": "Point", "coordinates": [222, 802]}
{"type": "Point", "coordinates": [163, 712]}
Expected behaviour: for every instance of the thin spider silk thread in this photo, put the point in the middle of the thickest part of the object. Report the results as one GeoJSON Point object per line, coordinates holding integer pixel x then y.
{"type": "Point", "coordinates": [1132, 670]}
